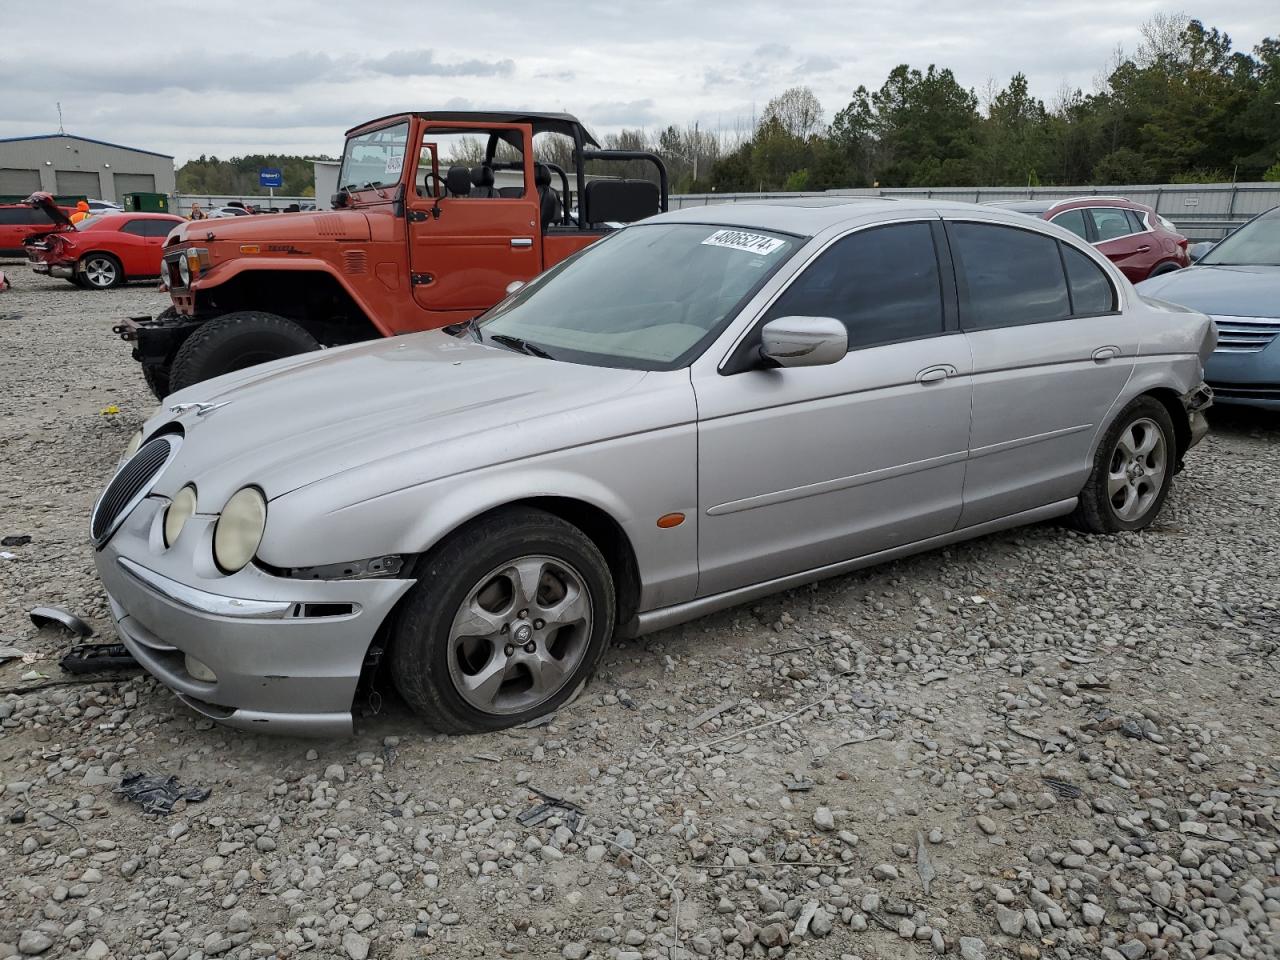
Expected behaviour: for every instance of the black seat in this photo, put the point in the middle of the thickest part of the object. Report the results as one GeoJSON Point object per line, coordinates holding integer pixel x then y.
{"type": "Point", "coordinates": [511, 193]}
{"type": "Point", "coordinates": [620, 201]}
{"type": "Point", "coordinates": [547, 198]}
{"type": "Point", "coordinates": [482, 182]}
{"type": "Point", "coordinates": [458, 182]}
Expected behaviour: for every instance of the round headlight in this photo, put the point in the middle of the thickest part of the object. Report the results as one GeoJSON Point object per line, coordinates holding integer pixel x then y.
{"type": "Point", "coordinates": [239, 530]}
{"type": "Point", "coordinates": [132, 447]}
{"type": "Point", "coordinates": [184, 270]}
{"type": "Point", "coordinates": [178, 513]}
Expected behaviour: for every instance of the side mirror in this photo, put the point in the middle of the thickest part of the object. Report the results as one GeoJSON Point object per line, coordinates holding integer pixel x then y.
{"type": "Point", "coordinates": [1198, 250]}
{"type": "Point", "coordinates": [804, 341]}
{"type": "Point", "coordinates": [513, 286]}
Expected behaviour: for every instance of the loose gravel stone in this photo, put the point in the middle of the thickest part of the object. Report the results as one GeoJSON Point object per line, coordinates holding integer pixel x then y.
{"type": "Point", "coordinates": [1073, 737]}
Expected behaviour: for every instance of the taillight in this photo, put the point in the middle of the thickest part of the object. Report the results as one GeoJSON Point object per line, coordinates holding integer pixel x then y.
{"type": "Point", "coordinates": [1182, 242]}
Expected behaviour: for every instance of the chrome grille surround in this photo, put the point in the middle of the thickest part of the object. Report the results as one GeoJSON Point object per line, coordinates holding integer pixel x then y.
{"type": "Point", "coordinates": [1245, 334]}
{"type": "Point", "coordinates": [131, 483]}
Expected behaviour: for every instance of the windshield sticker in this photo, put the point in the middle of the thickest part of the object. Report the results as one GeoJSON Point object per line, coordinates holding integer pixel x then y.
{"type": "Point", "coordinates": [748, 242]}
{"type": "Point", "coordinates": [395, 163]}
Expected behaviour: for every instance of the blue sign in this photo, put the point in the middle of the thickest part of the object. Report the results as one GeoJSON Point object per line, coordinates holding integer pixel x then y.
{"type": "Point", "coordinates": [270, 177]}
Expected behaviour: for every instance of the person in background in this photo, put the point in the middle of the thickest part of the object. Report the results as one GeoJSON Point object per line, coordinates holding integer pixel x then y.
{"type": "Point", "coordinates": [82, 212]}
{"type": "Point", "coordinates": [196, 212]}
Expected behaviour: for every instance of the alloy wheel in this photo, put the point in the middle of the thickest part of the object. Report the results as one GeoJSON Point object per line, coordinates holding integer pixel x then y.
{"type": "Point", "coordinates": [100, 272]}
{"type": "Point", "coordinates": [1136, 473]}
{"type": "Point", "coordinates": [520, 635]}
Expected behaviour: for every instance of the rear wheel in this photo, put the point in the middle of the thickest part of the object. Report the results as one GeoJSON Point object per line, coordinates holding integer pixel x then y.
{"type": "Point", "coordinates": [1132, 471]}
{"type": "Point", "coordinates": [235, 341]}
{"type": "Point", "coordinates": [506, 621]}
{"type": "Point", "coordinates": [101, 271]}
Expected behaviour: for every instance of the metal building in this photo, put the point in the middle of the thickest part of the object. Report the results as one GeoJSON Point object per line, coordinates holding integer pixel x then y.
{"type": "Point", "coordinates": [67, 165]}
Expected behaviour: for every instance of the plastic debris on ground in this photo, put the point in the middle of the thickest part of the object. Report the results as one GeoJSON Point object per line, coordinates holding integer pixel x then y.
{"type": "Point", "coordinates": [43, 616]}
{"type": "Point", "coordinates": [550, 807]}
{"type": "Point", "coordinates": [15, 540]}
{"type": "Point", "coordinates": [157, 794]}
{"type": "Point", "coordinates": [98, 658]}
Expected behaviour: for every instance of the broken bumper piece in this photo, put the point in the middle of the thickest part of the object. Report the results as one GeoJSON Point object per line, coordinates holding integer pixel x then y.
{"type": "Point", "coordinates": [1196, 402]}
{"type": "Point", "coordinates": [251, 650]}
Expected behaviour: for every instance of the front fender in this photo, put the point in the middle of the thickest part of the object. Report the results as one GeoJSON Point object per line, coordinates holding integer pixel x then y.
{"type": "Point", "coordinates": [634, 479]}
{"type": "Point", "coordinates": [228, 270]}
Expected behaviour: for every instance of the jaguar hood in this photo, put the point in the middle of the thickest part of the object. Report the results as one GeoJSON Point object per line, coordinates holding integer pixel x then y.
{"type": "Point", "coordinates": [398, 412]}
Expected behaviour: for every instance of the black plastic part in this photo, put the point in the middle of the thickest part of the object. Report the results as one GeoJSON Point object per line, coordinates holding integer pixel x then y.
{"type": "Point", "coordinates": [98, 658]}
{"type": "Point", "coordinates": [158, 340]}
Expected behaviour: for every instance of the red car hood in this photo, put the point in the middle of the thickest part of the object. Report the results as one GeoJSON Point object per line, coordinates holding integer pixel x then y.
{"type": "Point", "coordinates": [45, 202]}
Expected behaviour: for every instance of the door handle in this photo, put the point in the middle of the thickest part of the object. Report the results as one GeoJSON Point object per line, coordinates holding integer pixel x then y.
{"type": "Point", "coordinates": [1103, 354]}
{"type": "Point", "coordinates": [935, 374]}
{"type": "Point", "coordinates": [521, 242]}
{"type": "Point", "coordinates": [1144, 248]}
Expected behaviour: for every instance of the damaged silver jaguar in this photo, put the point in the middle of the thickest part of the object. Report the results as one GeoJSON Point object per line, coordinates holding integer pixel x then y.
{"type": "Point", "coordinates": [698, 410]}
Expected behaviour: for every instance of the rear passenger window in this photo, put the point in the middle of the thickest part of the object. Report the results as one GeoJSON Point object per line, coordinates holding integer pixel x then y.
{"type": "Point", "coordinates": [1136, 223]}
{"type": "Point", "coordinates": [1091, 291]}
{"type": "Point", "coordinates": [1110, 222]}
{"type": "Point", "coordinates": [1007, 277]}
{"type": "Point", "coordinates": [158, 228]}
{"type": "Point", "coordinates": [136, 227]}
{"type": "Point", "coordinates": [1072, 220]}
{"type": "Point", "coordinates": [882, 284]}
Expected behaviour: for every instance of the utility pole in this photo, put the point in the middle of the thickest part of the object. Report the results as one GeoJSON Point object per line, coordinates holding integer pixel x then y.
{"type": "Point", "coordinates": [60, 127]}
{"type": "Point", "coordinates": [697, 148]}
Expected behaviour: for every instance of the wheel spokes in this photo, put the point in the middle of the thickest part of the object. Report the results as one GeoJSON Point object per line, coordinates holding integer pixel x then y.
{"type": "Point", "coordinates": [546, 672]}
{"type": "Point", "coordinates": [573, 609]}
{"type": "Point", "coordinates": [526, 576]}
{"type": "Point", "coordinates": [484, 686]}
{"type": "Point", "coordinates": [475, 621]}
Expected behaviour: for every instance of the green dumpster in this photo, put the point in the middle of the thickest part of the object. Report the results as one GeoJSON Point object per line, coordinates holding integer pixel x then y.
{"type": "Point", "coordinates": [146, 202]}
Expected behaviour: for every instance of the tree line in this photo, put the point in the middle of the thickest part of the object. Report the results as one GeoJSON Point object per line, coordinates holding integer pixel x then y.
{"type": "Point", "coordinates": [1184, 107]}
{"type": "Point", "coordinates": [238, 177]}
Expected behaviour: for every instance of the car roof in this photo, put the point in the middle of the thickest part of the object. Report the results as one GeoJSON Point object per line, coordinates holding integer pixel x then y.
{"type": "Point", "coordinates": [809, 216]}
{"type": "Point", "coordinates": [1034, 207]}
{"type": "Point", "coordinates": [565, 123]}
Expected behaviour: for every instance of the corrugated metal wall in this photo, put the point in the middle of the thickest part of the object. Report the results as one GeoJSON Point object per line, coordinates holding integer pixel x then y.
{"type": "Point", "coordinates": [90, 165]}
{"type": "Point", "coordinates": [1201, 211]}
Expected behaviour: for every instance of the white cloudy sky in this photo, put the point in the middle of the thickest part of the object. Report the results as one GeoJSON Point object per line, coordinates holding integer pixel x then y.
{"type": "Point", "coordinates": [231, 78]}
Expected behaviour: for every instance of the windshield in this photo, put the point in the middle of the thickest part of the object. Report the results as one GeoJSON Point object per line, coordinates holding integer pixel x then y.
{"type": "Point", "coordinates": [1256, 243]}
{"type": "Point", "coordinates": [649, 297]}
{"type": "Point", "coordinates": [374, 159]}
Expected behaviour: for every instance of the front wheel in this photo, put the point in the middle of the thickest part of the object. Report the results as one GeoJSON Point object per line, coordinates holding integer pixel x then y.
{"type": "Point", "coordinates": [233, 342]}
{"type": "Point", "coordinates": [1132, 471]}
{"type": "Point", "coordinates": [506, 621]}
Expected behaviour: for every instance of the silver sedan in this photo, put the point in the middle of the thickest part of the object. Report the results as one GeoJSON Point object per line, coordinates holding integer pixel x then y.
{"type": "Point", "coordinates": [701, 409]}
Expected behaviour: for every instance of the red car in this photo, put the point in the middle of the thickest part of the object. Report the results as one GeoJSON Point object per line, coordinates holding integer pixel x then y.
{"type": "Point", "coordinates": [18, 221]}
{"type": "Point", "coordinates": [103, 251]}
{"type": "Point", "coordinates": [1131, 235]}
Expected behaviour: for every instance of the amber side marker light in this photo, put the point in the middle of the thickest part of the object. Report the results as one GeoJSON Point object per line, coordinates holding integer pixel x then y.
{"type": "Point", "coordinates": [250, 248]}
{"type": "Point", "coordinates": [668, 520]}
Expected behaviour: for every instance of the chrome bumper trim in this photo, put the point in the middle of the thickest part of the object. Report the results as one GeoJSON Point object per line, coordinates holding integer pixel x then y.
{"type": "Point", "coordinates": [202, 601]}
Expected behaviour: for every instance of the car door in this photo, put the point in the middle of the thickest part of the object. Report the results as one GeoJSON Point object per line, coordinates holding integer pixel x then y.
{"type": "Point", "coordinates": [463, 250]}
{"type": "Point", "coordinates": [154, 234]}
{"type": "Point", "coordinates": [1123, 239]}
{"type": "Point", "coordinates": [804, 467]}
{"type": "Point", "coordinates": [1051, 353]}
{"type": "Point", "coordinates": [130, 243]}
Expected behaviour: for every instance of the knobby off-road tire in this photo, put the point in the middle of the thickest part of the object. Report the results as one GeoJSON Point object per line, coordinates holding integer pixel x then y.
{"type": "Point", "coordinates": [1132, 471]}
{"type": "Point", "coordinates": [509, 617]}
{"type": "Point", "coordinates": [233, 342]}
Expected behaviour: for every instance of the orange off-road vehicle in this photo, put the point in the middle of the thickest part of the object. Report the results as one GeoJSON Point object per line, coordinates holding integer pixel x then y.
{"type": "Point", "coordinates": [436, 215]}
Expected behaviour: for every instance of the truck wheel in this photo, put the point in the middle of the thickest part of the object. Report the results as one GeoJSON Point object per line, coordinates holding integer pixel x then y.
{"type": "Point", "coordinates": [234, 341]}
{"type": "Point", "coordinates": [157, 377]}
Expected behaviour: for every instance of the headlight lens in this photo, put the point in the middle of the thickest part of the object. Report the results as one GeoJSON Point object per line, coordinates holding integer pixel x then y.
{"type": "Point", "coordinates": [178, 513]}
{"type": "Point", "coordinates": [132, 447]}
{"type": "Point", "coordinates": [184, 271]}
{"type": "Point", "coordinates": [239, 530]}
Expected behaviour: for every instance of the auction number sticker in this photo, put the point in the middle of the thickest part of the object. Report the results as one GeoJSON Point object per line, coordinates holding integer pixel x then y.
{"type": "Point", "coordinates": [395, 163]}
{"type": "Point", "coordinates": [747, 242]}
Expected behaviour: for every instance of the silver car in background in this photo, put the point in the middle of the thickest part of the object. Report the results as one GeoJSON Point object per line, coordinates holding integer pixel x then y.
{"type": "Point", "coordinates": [701, 409]}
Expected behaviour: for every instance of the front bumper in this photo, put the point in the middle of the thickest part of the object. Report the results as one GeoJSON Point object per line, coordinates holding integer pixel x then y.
{"type": "Point", "coordinates": [65, 271]}
{"type": "Point", "coordinates": [1245, 368]}
{"type": "Point", "coordinates": [277, 666]}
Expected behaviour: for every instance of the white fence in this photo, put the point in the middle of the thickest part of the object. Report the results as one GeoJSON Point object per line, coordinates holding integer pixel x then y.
{"type": "Point", "coordinates": [1203, 211]}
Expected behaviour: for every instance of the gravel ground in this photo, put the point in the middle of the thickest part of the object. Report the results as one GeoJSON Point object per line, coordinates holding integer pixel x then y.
{"type": "Point", "coordinates": [1037, 744]}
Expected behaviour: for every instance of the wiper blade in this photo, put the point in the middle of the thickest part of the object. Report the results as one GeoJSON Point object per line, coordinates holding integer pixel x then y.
{"type": "Point", "coordinates": [524, 346]}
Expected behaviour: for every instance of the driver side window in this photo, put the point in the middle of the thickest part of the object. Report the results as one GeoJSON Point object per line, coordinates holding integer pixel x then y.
{"type": "Point", "coordinates": [881, 283]}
